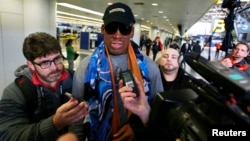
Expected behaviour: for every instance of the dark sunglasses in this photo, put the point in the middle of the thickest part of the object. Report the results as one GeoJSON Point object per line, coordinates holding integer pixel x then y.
{"type": "Point", "coordinates": [112, 28]}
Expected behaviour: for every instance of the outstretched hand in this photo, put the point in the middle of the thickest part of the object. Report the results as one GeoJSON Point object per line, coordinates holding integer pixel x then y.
{"type": "Point", "coordinates": [70, 112]}
{"type": "Point", "coordinates": [226, 62]}
{"type": "Point", "coordinates": [137, 105]}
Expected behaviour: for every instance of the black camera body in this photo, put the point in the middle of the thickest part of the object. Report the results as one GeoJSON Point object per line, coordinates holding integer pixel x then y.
{"type": "Point", "coordinates": [190, 117]}
{"type": "Point", "coordinates": [230, 4]}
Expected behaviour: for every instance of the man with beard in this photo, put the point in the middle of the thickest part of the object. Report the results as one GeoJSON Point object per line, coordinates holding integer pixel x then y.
{"type": "Point", "coordinates": [237, 59]}
{"type": "Point", "coordinates": [172, 75]}
{"type": "Point", "coordinates": [34, 107]}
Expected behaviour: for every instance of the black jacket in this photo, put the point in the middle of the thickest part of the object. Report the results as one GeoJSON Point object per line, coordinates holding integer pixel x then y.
{"type": "Point", "coordinates": [175, 46]}
{"type": "Point", "coordinates": [196, 48]}
{"type": "Point", "coordinates": [148, 43]}
{"type": "Point", "coordinates": [181, 82]}
{"type": "Point", "coordinates": [184, 50]}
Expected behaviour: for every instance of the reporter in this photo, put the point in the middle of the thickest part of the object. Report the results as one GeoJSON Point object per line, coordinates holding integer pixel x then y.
{"type": "Point", "coordinates": [40, 111]}
{"type": "Point", "coordinates": [237, 59]}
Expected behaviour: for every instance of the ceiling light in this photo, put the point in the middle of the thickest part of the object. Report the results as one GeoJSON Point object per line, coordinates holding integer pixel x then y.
{"type": "Point", "coordinates": [88, 19]}
{"type": "Point", "coordinates": [145, 27]}
{"type": "Point", "coordinates": [76, 20]}
{"type": "Point", "coordinates": [80, 9]}
{"type": "Point", "coordinates": [79, 16]}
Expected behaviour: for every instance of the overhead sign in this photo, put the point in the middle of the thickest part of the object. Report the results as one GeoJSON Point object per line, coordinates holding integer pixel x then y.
{"type": "Point", "coordinates": [218, 26]}
{"type": "Point", "coordinates": [242, 25]}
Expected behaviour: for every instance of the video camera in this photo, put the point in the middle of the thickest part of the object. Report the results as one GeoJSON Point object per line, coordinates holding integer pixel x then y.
{"type": "Point", "coordinates": [223, 95]}
{"type": "Point", "coordinates": [230, 4]}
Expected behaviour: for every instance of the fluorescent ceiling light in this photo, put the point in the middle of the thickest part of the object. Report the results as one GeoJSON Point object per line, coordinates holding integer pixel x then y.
{"type": "Point", "coordinates": [96, 21]}
{"type": "Point", "coordinates": [77, 20]}
{"type": "Point", "coordinates": [80, 9]}
{"type": "Point", "coordinates": [79, 16]}
{"type": "Point", "coordinates": [146, 27]}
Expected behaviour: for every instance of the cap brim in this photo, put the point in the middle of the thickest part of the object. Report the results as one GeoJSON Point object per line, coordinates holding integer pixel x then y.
{"type": "Point", "coordinates": [118, 19]}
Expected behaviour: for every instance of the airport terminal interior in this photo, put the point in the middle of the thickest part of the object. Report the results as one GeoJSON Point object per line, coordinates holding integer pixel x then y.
{"type": "Point", "coordinates": [210, 27]}
{"type": "Point", "coordinates": [209, 31]}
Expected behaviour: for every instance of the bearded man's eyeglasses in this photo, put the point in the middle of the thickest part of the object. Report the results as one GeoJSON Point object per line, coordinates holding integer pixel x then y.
{"type": "Point", "coordinates": [46, 64]}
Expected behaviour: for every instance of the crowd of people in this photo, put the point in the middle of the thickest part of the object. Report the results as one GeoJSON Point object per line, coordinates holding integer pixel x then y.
{"type": "Point", "coordinates": [48, 102]}
{"type": "Point", "coordinates": [156, 45]}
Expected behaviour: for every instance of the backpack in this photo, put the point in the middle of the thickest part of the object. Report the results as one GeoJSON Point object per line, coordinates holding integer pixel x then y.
{"type": "Point", "coordinates": [30, 93]}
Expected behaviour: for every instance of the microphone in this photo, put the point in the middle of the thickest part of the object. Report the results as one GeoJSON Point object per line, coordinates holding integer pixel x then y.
{"type": "Point", "coordinates": [117, 75]}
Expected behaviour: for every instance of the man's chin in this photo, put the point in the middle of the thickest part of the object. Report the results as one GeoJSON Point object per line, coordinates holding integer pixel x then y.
{"type": "Point", "coordinates": [55, 76]}
{"type": "Point", "coordinates": [116, 51]}
{"type": "Point", "coordinates": [237, 57]}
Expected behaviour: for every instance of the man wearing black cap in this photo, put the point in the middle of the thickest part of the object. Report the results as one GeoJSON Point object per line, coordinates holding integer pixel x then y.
{"type": "Point", "coordinates": [113, 108]}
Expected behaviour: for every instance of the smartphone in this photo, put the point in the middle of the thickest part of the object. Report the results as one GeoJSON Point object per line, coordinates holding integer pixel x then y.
{"type": "Point", "coordinates": [69, 95]}
{"type": "Point", "coordinates": [128, 80]}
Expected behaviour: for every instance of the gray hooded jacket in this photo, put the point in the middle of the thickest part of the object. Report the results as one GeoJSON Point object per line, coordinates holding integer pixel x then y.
{"type": "Point", "coordinates": [15, 122]}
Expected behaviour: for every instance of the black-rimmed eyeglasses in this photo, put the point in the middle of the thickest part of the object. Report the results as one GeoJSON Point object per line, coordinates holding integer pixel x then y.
{"type": "Point", "coordinates": [46, 64]}
{"type": "Point", "coordinates": [112, 28]}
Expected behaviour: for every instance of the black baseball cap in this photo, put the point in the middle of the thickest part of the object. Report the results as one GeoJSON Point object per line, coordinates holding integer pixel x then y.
{"type": "Point", "coordinates": [118, 12]}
